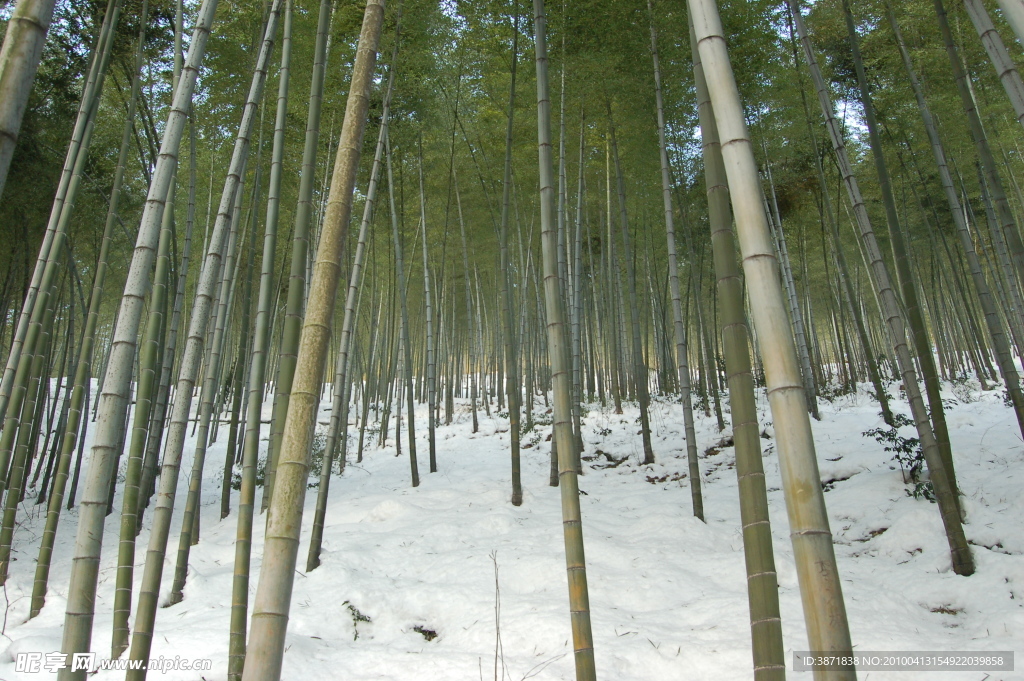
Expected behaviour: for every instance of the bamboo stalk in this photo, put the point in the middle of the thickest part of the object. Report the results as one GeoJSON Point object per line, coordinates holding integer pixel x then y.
{"type": "Point", "coordinates": [265, 653]}
{"type": "Point", "coordinates": [820, 589]}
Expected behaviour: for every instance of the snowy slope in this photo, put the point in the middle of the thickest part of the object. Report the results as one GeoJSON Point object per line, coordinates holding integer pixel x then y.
{"type": "Point", "coordinates": [667, 592]}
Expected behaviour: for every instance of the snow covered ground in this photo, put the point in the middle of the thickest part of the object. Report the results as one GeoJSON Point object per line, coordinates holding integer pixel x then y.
{"type": "Point", "coordinates": [667, 592]}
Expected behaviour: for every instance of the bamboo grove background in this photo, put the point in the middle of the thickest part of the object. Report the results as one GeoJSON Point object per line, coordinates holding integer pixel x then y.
{"type": "Point", "coordinates": [338, 202]}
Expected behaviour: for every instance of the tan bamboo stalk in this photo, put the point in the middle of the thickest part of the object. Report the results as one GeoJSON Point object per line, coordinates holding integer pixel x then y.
{"type": "Point", "coordinates": [679, 330]}
{"type": "Point", "coordinates": [265, 652]}
{"type": "Point", "coordinates": [19, 59]}
{"type": "Point", "coordinates": [818, 577]}
{"type": "Point", "coordinates": [762, 580]}
{"type": "Point", "coordinates": [558, 339]}
{"type": "Point", "coordinates": [342, 374]}
{"type": "Point", "coordinates": [889, 306]}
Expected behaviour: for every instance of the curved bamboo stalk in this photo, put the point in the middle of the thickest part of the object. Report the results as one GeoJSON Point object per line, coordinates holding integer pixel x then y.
{"type": "Point", "coordinates": [820, 589]}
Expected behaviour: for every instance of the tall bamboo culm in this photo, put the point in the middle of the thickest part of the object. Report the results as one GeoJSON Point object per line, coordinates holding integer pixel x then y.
{"type": "Point", "coordinates": [561, 380]}
{"type": "Point", "coordinates": [265, 652]}
{"type": "Point", "coordinates": [818, 577]}
{"type": "Point", "coordinates": [890, 309]}
{"type": "Point", "coordinates": [19, 60]}
{"type": "Point", "coordinates": [145, 612]}
{"type": "Point", "coordinates": [117, 382]}
{"type": "Point", "coordinates": [678, 329]}
{"type": "Point", "coordinates": [762, 578]}
{"type": "Point", "coordinates": [257, 372]}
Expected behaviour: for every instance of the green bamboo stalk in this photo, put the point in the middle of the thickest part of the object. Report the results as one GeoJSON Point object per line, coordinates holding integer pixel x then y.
{"type": "Point", "coordinates": [19, 60]}
{"type": "Point", "coordinates": [889, 306]}
{"type": "Point", "coordinates": [85, 565]}
{"type": "Point", "coordinates": [474, 370]}
{"type": "Point", "coordinates": [86, 110]}
{"type": "Point", "coordinates": [143, 406]}
{"type": "Point", "coordinates": [211, 387]}
{"type": "Point", "coordinates": [558, 339]}
{"type": "Point", "coordinates": [406, 353]}
{"type": "Point", "coordinates": [901, 256]}
{"type": "Point", "coordinates": [145, 613]}
{"type": "Point", "coordinates": [431, 352]}
{"type": "Point", "coordinates": [978, 134]}
{"type": "Point", "coordinates": [157, 427]}
{"type": "Point", "coordinates": [640, 370]}
{"type": "Point", "coordinates": [257, 370]}
{"type": "Point", "coordinates": [844, 273]}
{"type": "Point", "coordinates": [1013, 12]}
{"type": "Point", "coordinates": [511, 354]}
{"type": "Point", "coordinates": [19, 361]}
{"type": "Point", "coordinates": [1005, 68]}
{"type": "Point", "coordinates": [300, 246]}
{"type": "Point", "coordinates": [679, 330]}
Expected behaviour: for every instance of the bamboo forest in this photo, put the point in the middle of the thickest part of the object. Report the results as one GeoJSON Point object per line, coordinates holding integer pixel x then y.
{"type": "Point", "coordinates": [327, 326]}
